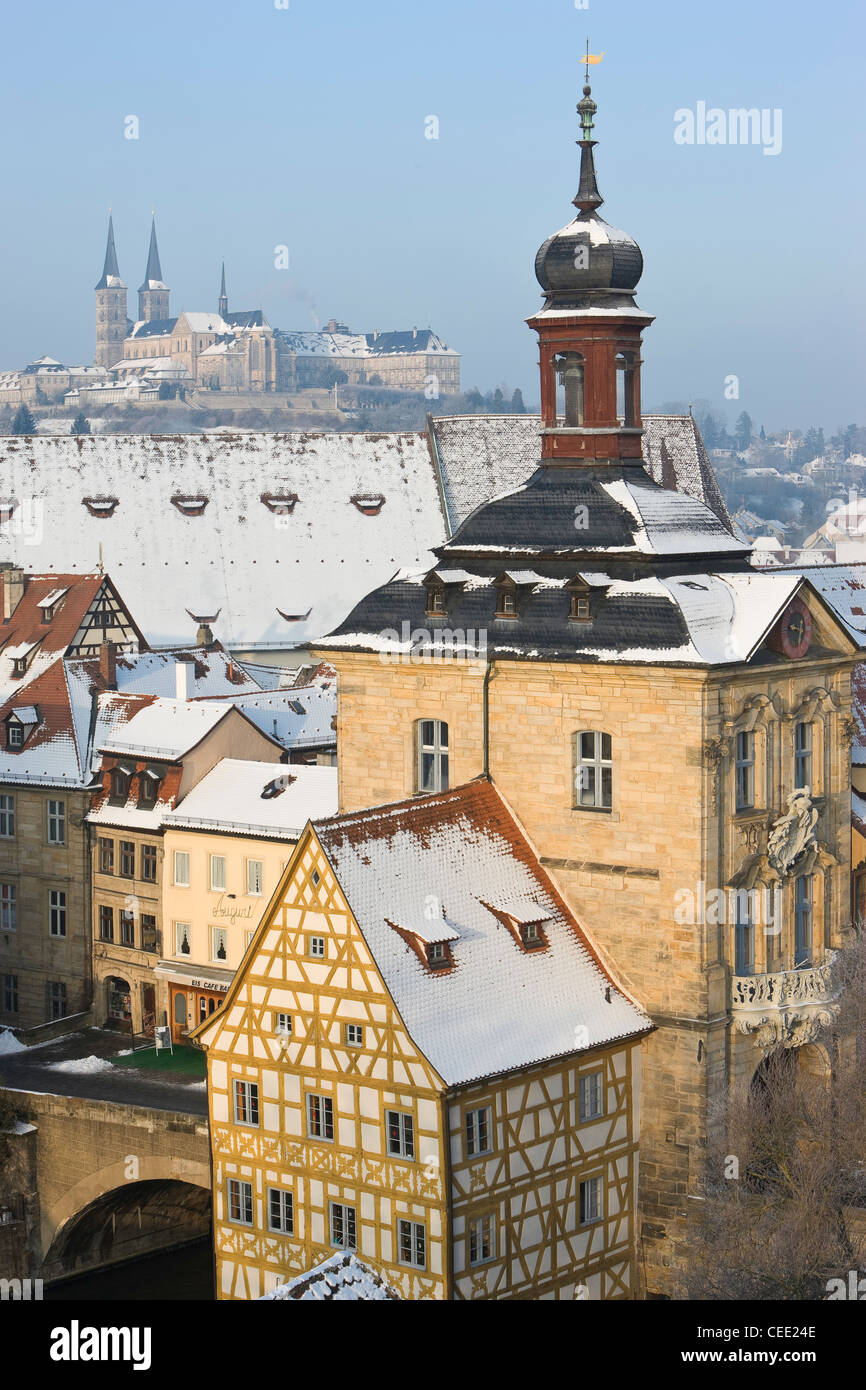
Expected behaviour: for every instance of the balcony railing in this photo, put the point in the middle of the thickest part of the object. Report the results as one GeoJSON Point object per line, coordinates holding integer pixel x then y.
{"type": "Point", "coordinates": [786, 1006]}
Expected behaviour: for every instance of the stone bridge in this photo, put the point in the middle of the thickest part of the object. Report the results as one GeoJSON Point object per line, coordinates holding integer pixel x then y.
{"type": "Point", "coordinates": [87, 1183]}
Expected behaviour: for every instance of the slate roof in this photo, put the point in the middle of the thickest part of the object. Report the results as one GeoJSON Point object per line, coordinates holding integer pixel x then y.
{"type": "Point", "coordinates": [341, 1278]}
{"type": "Point", "coordinates": [690, 618]}
{"type": "Point", "coordinates": [246, 318]}
{"type": "Point", "coordinates": [500, 1008]}
{"type": "Point", "coordinates": [481, 456]}
{"type": "Point", "coordinates": [153, 328]}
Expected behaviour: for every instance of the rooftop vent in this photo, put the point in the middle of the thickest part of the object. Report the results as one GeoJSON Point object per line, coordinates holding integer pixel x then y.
{"type": "Point", "coordinates": [278, 786]}
{"type": "Point", "coordinates": [282, 503]}
{"type": "Point", "coordinates": [369, 503]}
{"type": "Point", "coordinates": [102, 507]}
{"type": "Point", "coordinates": [189, 506]}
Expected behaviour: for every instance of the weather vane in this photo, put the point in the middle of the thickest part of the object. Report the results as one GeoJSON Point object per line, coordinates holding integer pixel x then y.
{"type": "Point", "coordinates": [593, 58]}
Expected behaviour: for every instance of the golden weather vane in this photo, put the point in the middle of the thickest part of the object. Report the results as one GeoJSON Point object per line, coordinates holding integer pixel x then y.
{"type": "Point", "coordinates": [593, 58]}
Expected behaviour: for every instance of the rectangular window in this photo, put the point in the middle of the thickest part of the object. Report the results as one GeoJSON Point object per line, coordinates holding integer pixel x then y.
{"type": "Point", "coordinates": [127, 927]}
{"type": "Point", "coordinates": [255, 878]}
{"type": "Point", "coordinates": [106, 922]}
{"type": "Point", "coordinates": [478, 1132]}
{"type": "Point", "coordinates": [8, 907]}
{"type": "Point", "coordinates": [148, 863]}
{"type": "Point", "coordinates": [400, 1132]}
{"type": "Point", "coordinates": [412, 1244]}
{"type": "Point", "coordinates": [57, 823]}
{"type": "Point", "coordinates": [219, 943]}
{"type": "Point", "coordinates": [593, 772]}
{"type": "Point", "coordinates": [149, 936]}
{"type": "Point", "coordinates": [433, 768]}
{"type": "Point", "coordinates": [246, 1095]}
{"type": "Point", "coordinates": [283, 1024]}
{"type": "Point", "coordinates": [590, 1201]}
{"type": "Point", "coordinates": [482, 1240]}
{"type": "Point", "coordinates": [248, 936]}
{"type": "Point", "coordinates": [56, 915]}
{"type": "Point", "coordinates": [316, 947]}
{"type": "Point", "coordinates": [802, 755]}
{"type": "Point", "coordinates": [803, 898]}
{"type": "Point", "coordinates": [592, 1096]}
{"type": "Point", "coordinates": [127, 858]}
{"type": "Point", "coordinates": [281, 1213]}
{"type": "Point", "coordinates": [57, 999]}
{"type": "Point", "coordinates": [744, 771]}
{"type": "Point", "coordinates": [240, 1202]}
{"type": "Point", "coordinates": [342, 1226]}
{"type": "Point", "coordinates": [744, 933]}
{"type": "Point", "coordinates": [181, 869]}
{"type": "Point", "coordinates": [320, 1117]}
{"type": "Point", "coordinates": [14, 736]}
{"type": "Point", "coordinates": [10, 994]}
{"type": "Point", "coordinates": [106, 856]}
{"type": "Point", "coordinates": [181, 939]}
{"type": "Point", "coordinates": [218, 873]}
{"type": "Point", "coordinates": [7, 817]}
{"type": "Point", "coordinates": [354, 1035]}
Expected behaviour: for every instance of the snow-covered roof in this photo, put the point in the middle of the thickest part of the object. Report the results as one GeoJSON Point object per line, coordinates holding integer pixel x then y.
{"type": "Point", "coordinates": [843, 587]}
{"type": "Point", "coordinates": [500, 1008]}
{"type": "Point", "coordinates": [26, 714]}
{"type": "Point", "coordinates": [163, 728]}
{"type": "Point", "coordinates": [280, 531]}
{"type": "Point", "coordinates": [340, 1278]}
{"type": "Point", "coordinates": [296, 718]}
{"type": "Point", "coordinates": [270, 800]}
{"type": "Point", "coordinates": [203, 322]}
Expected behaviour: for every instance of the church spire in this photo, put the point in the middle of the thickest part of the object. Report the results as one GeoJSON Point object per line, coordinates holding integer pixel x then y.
{"type": "Point", "coordinates": [153, 273]}
{"type": "Point", "coordinates": [224, 299]}
{"type": "Point", "coordinates": [110, 273]}
{"type": "Point", "coordinates": [152, 292]}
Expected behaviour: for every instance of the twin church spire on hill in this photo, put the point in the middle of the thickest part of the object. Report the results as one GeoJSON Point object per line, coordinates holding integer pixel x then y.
{"type": "Point", "coordinates": [112, 324]}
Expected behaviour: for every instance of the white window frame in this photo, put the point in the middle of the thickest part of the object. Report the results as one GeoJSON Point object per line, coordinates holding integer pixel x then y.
{"type": "Point", "coordinates": [591, 1207]}
{"type": "Point", "coordinates": [416, 1232]}
{"type": "Point", "coordinates": [437, 748]}
{"type": "Point", "coordinates": [354, 1035]}
{"type": "Point", "coordinates": [219, 935]}
{"type": "Point", "coordinates": [179, 855]}
{"type": "Point", "coordinates": [7, 817]}
{"type": "Point", "coordinates": [482, 1231]}
{"type": "Point", "coordinates": [283, 1024]}
{"type": "Point", "coordinates": [56, 822]}
{"type": "Point", "coordinates": [325, 1116]}
{"type": "Point", "coordinates": [591, 1096]}
{"type": "Point", "coordinates": [312, 948]}
{"type": "Point", "coordinates": [347, 1217]}
{"type": "Point", "coordinates": [803, 766]}
{"type": "Point", "coordinates": [596, 763]}
{"type": "Point", "coordinates": [285, 1221]}
{"type": "Point", "coordinates": [472, 1131]}
{"type": "Point", "coordinates": [8, 907]}
{"type": "Point", "coordinates": [404, 1140]}
{"type": "Point", "coordinates": [57, 912]}
{"type": "Point", "coordinates": [243, 1191]}
{"type": "Point", "coordinates": [255, 876]}
{"type": "Point", "coordinates": [245, 1102]}
{"type": "Point", "coordinates": [181, 930]}
{"type": "Point", "coordinates": [215, 873]}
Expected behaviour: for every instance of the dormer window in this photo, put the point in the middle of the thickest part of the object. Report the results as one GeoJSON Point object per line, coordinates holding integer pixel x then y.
{"type": "Point", "coordinates": [120, 778]}
{"type": "Point", "coordinates": [20, 723]}
{"type": "Point", "coordinates": [580, 609]}
{"type": "Point", "coordinates": [14, 736]}
{"type": "Point", "coordinates": [148, 789]}
{"type": "Point", "coordinates": [439, 955]}
{"type": "Point", "coordinates": [532, 936]}
{"type": "Point", "coordinates": [436, 603]}
{"type": "Point", "coordinates": [19, 665]}
{"type": "Point", "coordinates": [506, 604]}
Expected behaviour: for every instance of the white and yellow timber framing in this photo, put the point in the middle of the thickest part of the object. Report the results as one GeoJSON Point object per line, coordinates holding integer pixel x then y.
{"type": "Point", "coordinates": [529, 1183]}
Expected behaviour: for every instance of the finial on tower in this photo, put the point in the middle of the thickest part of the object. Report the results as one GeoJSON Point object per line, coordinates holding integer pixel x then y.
{"type": "Point", "coordinates": [224, 302]}
{"type": "Point", "coordinates": [588, 197]}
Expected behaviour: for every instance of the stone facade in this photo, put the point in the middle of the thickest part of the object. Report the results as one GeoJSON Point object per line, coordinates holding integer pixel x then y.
{"type": "Point", "coordinates": [627, 872]}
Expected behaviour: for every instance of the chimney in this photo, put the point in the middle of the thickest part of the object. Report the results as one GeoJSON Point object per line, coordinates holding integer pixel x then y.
{"type": "Point", "coordinates": [13, 589]}
{"type": "Point", "coordinates": [108, 665]}
{"type": "Point", "coordinates": [181, 680]}
{"type": "Point", "coordinates": [204, 636]}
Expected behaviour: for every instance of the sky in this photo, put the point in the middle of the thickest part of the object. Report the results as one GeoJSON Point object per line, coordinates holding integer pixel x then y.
{"type": "Point", "coordinates": [305, 123]}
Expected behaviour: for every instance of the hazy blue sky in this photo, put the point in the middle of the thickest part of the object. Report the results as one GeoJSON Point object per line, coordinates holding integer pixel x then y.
{"type": "Point", "coordinates": [305, 126]}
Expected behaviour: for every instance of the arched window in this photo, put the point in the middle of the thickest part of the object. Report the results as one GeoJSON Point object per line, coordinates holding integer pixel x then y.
{"type": "Point", "coordinates": [432, 755]}
{"type": "Point", "coordinates": [570, 389]}
{"type": "Point", "coordinates": [627, 408]}
{"type": "Point", "coordinates": [593, 770]}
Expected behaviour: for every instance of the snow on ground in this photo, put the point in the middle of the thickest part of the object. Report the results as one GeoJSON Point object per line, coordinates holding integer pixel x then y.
{"type": "Point", "coordinates": [9, 1042]}
{"type": "Point", "coordinates": [82, 1064]}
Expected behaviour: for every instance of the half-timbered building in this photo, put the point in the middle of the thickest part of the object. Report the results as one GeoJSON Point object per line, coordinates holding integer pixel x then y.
{"type": "Point", "coordinates": [423, 1060]}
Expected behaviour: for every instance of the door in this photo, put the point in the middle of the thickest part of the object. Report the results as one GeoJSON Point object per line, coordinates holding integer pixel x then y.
{"type": "Point", "coordinates": [179, 1023]}
{"type": "Point", "coordinates": [148, 1010]}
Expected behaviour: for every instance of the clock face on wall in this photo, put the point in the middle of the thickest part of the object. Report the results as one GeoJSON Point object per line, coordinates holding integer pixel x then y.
{"type": "Point", "coordinates": [794, 631]}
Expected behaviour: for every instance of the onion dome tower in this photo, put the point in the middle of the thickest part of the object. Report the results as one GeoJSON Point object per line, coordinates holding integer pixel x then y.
{"type": "Point", "coordinates": [589, 328]}
{"type": "Point", "coordinates": [110, 307]}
